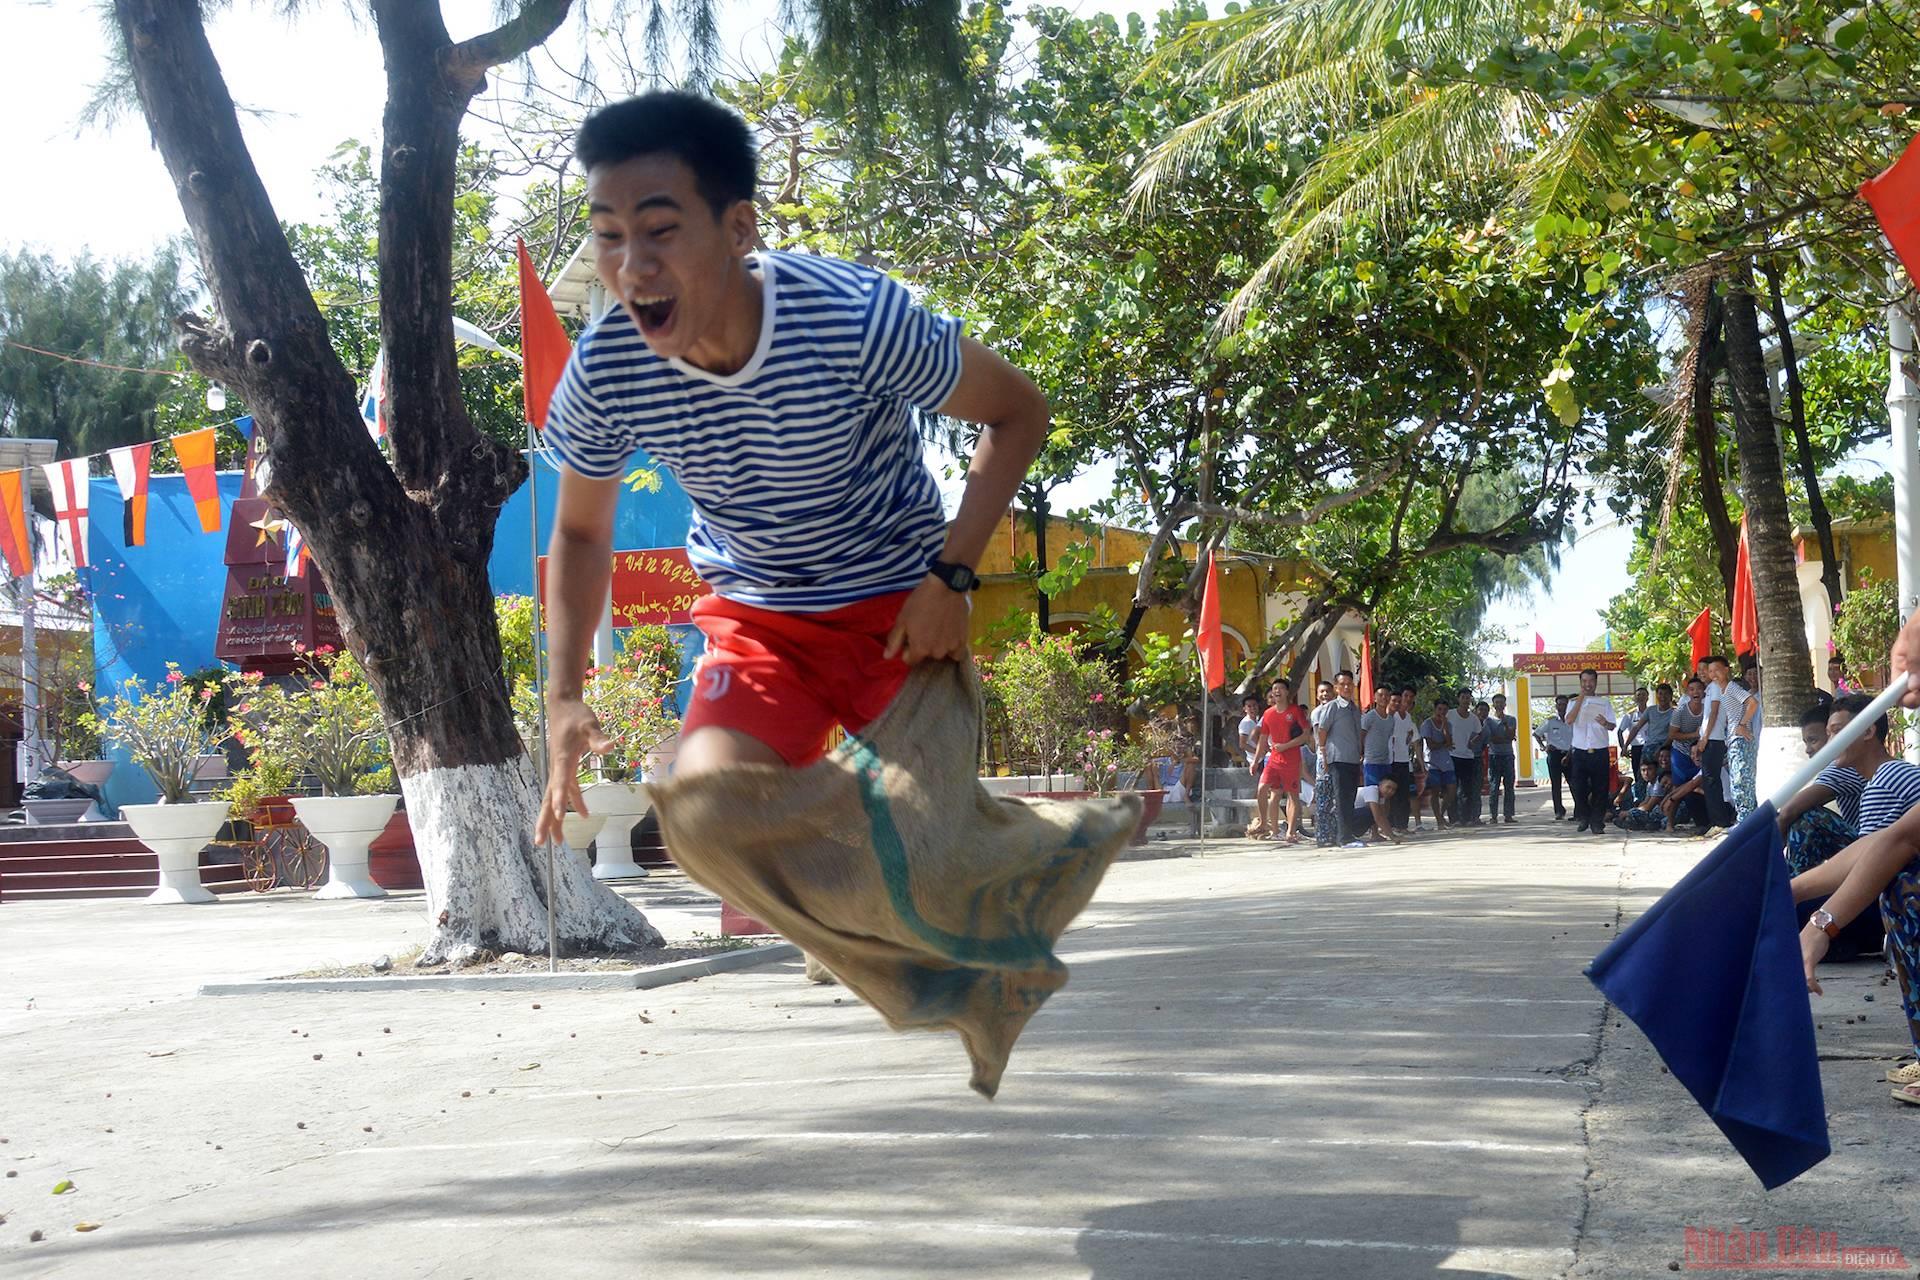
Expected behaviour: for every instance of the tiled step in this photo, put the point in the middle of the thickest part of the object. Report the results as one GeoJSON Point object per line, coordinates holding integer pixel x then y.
{"type": "Point", "coordinates": [35, 850]}
{"type": "Point", "coordinates": [97, 875]}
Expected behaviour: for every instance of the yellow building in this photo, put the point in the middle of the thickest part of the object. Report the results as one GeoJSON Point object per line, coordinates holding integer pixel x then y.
{"type": "Point", "coordinates": [1862, 546]}
{"type": "Point", "coordinates": [1258, 593]}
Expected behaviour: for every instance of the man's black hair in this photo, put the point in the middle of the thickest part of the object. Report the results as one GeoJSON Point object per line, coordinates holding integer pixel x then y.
{"type": "Point", "coordinates": [1854, 703]}
{"type": "Point", "coordinates": [1343, 672]}
{"type": "Point", "coordinates": [1406, 688]}
{"type": "Point", "coordinates": [1589, 671]}
{"type": "Point", "coordinates": [1664, 685]}
{"type": "Point", "coordinates": [1817, 711]}
{"type": "Point", "coordinates": [710, 139]}
{"type": "Point", "coordinates": [1712, 658]}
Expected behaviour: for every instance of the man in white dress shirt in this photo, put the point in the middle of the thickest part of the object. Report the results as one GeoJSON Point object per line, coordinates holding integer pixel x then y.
{"type": "Point", "coordinates": [1593, 724]}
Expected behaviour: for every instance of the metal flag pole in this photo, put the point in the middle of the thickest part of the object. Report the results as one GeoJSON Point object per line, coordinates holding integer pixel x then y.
{"type": "Point", "coordinates": [1206, 742]}
{"type": "Point", "coordinates": [1837, 745]}
{"type": "Point", "coordinates": [539, 678]}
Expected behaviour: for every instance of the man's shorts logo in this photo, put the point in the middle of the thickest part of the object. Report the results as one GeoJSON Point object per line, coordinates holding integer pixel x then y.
{"type": "Point", "coordinates": [715, 682]}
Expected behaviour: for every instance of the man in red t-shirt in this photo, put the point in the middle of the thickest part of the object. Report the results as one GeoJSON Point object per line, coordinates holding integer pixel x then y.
{"type": "Point", "coordinates": [1283, 731]}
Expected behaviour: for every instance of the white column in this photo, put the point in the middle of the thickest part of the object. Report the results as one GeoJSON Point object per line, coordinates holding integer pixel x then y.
{"type": "Point", "coordinates": [1903, 409]}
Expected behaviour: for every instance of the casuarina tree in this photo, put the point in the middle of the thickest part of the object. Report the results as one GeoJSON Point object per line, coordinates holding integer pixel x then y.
{"type": "Point", "coordinates": [403, 544]}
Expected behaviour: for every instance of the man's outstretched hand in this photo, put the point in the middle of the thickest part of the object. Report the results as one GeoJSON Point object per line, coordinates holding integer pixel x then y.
{"type": "Point", "coordinates": [573, 733]}
{"type": "Point", "coordinates": [932, 624]}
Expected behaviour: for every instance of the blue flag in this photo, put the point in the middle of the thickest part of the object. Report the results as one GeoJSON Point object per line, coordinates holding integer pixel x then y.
{"type": "Point", "coordinates": [245, 427]}
{"type": "Point", "coordinates": [1712, 974]}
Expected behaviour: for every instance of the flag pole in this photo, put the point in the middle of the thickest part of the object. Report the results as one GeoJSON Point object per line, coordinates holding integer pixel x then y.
{"type": "Point", "coordinates": [539, 678]}
{"type": "Point", "coordinates": [1206, 742]}
{"type": "Point", "coordinates": [1837, 745]}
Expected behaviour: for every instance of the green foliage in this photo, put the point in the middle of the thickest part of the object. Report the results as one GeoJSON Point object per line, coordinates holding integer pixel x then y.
{"type": "Point", "coordinates": [340, 258]}
{"type": "Point", "coordinates": [514, 617]}
{"type": "Point", "coordinates": [1649, 620]}
{"type": "Point", "coordinates": [323, 720]}
{"type": "Point", "coordinates": [166, 732]}
{"type": "Point", "coordinates": [1052, 699]}
{"type": "Point", "coordinates": [1851, 498]}
{"type": "Point", "coordinates": [633, 700]}
{"type": "Point", "coordinates": [1867, 623]}
{"type": "Point", "coordinates": [109, 314]}
{"type": "Point", "coordinates": [264, 777]}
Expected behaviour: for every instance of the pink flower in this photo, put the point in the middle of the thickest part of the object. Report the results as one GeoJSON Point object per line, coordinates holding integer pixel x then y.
{"type": "Point", "coordinates": [206, 695]}
{"type": "Point", "coordinates": [174, 677]}
{"type": "Point", "coordinates": [319, 684]}
{"type": "Point", "coordinates": [1099, 697]}
{"type": "Point", "coordinates": [324, 649]}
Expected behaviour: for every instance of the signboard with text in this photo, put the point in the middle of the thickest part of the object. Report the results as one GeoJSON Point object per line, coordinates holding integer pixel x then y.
{"type": "Point", "coordinates": [1605, 662]}
{"type": "Point", "coordinates": [655, 586]}
{"type": "Point", "coordinates": [1555, 673]}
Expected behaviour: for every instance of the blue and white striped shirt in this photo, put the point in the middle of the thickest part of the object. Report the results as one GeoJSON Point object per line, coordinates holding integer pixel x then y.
{"type": "Point", "coordinates": [1893, 789]}
{"type": "Point", "coordinates": [1846, 784]}
{"type": "Point", "coordinates": [805, 469]}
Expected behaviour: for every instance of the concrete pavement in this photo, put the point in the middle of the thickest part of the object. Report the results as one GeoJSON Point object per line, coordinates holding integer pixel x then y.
{"type": "Point", "coordinates": [1269, 1063]}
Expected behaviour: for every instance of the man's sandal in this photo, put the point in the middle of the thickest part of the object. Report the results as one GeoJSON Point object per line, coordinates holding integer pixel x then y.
{"type": "Point", "coordinates": [1908, 1094]}
{"type": "Point", "coordinates": [1909, 1074]}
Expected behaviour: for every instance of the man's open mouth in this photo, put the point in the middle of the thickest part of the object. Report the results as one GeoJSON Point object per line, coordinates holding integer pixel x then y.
{"type": "Point", "coordinates": [654, 311]}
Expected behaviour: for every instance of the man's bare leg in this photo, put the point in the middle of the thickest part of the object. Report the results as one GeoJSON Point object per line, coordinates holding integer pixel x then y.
{"type": "Point", "coordinates": [705, 750]}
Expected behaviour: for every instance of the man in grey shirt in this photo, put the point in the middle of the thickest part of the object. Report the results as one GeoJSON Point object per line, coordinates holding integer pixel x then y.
{"type": "Point", "coordinates": [1653, 734]}
{"type": "Point", "coordinates": [1337, 726]}
{"type": "Point", "coordinates": [1500, 730]}
{"type": "Point", "coordinates": [1376, 740]}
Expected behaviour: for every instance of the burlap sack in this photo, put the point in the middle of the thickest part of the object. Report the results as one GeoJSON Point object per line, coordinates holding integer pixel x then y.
{"type": "Point", "coordinates": [932, 900]}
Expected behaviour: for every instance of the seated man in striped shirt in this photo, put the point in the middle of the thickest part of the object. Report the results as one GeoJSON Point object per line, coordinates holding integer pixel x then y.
{"type": "Point", "coordinates": [780, 390]}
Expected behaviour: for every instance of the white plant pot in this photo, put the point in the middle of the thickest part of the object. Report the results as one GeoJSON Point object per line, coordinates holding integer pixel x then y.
{"type": "Point", "coordinates": [95, 774]}
{"type": "Point", "coordinates": [622, 804]}
{"type": "Point", "coordinates": [578, 830]}
{"type": "Point", "coordinates": [177, 833]}
{"type": "Point", "coordinates": [346, 825]}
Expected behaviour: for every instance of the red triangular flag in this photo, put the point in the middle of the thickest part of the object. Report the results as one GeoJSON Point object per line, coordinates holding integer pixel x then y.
{"type": "Point", "coordinates": [1700, 632]}
{"type": "Point", "coordinates": [1366, 665]}
{"type": "Point", "coordinates": [1746, 615]}
{"type": "Point", "coordinates": [13, 523]}
{"type": "Point", "coordinates": [1539, 643]}
{"type": "Point", "coordinates": [1895, 197]}
{"type": "Point", "coordinates": [130, 467]}
{"type": "Point", "coordinates": [1213, 658]}
{"type": "Point", "coordinates": [543, 343]}
{"type": "Point", "coordinates": [195, 452]}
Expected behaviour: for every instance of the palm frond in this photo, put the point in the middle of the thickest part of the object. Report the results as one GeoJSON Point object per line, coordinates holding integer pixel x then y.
{"type": "Point", "coordinates": [1580, 150]}
{"type": "Point", "coordinates": [1460, 133]}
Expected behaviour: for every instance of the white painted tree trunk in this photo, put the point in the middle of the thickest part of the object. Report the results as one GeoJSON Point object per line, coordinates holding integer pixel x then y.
{"type": "Point", "coordinates": [486, 880]}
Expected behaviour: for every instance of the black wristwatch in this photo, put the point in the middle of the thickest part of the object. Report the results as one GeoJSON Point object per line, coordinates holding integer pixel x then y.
{"type": "Point", "coordinates": [957, 576]}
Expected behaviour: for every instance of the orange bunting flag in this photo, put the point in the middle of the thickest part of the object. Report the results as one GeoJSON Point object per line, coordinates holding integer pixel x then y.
{"type": "Point", "coordinates": [1895, 199]}
{"type": "Point", "coordinates": [1746, 614]}
{"type": "Point", "coordinates": [14, 523]}
{"type": "Point", "coordinates": [130, 468]}
{"type": "Point", "coordinates": [1213, 658]}
{"type": "Point", "coordinates": [543, 343]}
{"type": "Point", "coordinates": [195, 452]}
{"type": "Point", "coordinates": [1366, 665]}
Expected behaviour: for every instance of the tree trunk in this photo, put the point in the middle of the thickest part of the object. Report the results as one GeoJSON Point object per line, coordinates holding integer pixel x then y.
{"type": "Point", "coordinates": [1706, 443]}
{"type": "Point", "coordinates": [1776, 584]}
{"type": "Point", "coordinates": [1041, 603]}
{"type": "Point", "coordinates": [1803, 445]}
{"type": "Point", "coordinates": [404, 548]}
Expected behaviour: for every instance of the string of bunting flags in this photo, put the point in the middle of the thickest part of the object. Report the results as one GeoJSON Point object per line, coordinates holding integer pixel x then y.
{"type": "Point", "coordinates": [547, 349]}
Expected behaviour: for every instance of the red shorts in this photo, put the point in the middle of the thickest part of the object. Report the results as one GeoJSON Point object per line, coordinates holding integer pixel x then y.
{"type": "Point", "coordinates": [786, 679]}
{"type": "Point", "coordinates": [1282, 770]}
